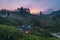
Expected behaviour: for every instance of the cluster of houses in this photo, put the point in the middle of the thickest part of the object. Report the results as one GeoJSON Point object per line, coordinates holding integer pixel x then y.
{"type": "Point", "coordinates": [24, 28]}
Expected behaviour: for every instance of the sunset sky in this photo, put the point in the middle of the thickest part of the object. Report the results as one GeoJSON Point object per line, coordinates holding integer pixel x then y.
{"type": "Point", "coordinates": [33, 5]}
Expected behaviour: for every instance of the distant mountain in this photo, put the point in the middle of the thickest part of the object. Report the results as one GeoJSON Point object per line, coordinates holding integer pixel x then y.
{"type": "Point", "coordinates": [48, 11]}
{"type": "Point", "coordinates": [54, 13]}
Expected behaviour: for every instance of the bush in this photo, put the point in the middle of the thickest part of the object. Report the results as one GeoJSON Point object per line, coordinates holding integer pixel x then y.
{"type": "Point", "coordinates": [10, 33]}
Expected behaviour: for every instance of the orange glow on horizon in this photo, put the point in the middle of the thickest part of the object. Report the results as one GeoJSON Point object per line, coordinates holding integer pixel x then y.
{"type": "Point", "coordinates": [34, 11]}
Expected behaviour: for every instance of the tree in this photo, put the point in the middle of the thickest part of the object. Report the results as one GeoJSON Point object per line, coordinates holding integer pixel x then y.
{"type": "Point", "coordinates": [24, 11]}
{"type": "Point", "coordinates": [21, 11]}
{"type": "Point", "coordinates": [41, 13]}
{"type": "Point", "coordinates": [8, 13]}
{"type": "Point", "coordinates": [3, 11]}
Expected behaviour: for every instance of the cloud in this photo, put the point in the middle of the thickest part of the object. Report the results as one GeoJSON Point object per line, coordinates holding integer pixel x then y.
{"type": "Point", "coordinates": [32, 4]}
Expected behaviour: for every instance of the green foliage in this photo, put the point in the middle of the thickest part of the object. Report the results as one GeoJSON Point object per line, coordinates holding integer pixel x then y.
{"type": "Point", "coordinates": [40, 28]}
{"type": "Point", "coordinates": [10, 33]}
{"type": "Point", "coordinates": [10, 21]}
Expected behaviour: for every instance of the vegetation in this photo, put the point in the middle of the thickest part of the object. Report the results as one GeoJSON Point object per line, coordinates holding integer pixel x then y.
{"type": "Point", "coordinates": [12, 33]}
{"type": "Point", "coordinates": [41, 25]}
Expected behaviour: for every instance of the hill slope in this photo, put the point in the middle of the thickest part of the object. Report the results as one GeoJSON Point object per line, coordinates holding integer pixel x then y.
{"type": "Point", "coordinates": [12, 33]}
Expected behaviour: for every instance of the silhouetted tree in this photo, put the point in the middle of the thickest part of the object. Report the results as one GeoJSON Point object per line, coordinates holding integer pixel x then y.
{"type": "Point", "coordinates": [3, 11]}
{"type": "Point", "coordinates": [8, 13]}
{"type": "Point", "coordinates": [41, 13]}
{"type": "Point", "coordinates": [21, 11]}
{"type": "Point", "coordinates": [24, 11]}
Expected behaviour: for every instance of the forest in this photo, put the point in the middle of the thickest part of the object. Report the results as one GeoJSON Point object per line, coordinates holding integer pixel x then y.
{"type": "Point", "coordinates": [42, 26]}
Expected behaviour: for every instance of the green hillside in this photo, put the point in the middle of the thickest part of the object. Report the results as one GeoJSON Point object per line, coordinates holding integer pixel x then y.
{"type": "Point", "coordinates": [12, 33]}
